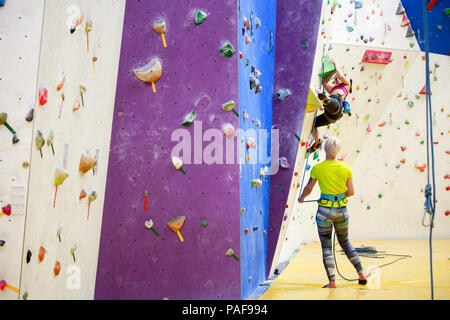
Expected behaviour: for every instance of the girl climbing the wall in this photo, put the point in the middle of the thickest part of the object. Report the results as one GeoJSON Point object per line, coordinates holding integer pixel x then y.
{"type": "Point", "coordinates": [336, 185]}
{"type": "Point", "coordinates": [335, 105]}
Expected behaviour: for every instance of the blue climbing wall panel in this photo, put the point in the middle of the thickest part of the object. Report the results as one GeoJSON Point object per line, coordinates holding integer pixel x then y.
{"type": "Point", "coordinates": [438, 25]}
{"type": "Point", "coordinates": [259, 53]}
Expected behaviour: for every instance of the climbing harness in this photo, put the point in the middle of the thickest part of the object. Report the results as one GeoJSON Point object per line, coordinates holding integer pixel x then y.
{"type": "Point", "coordinates": [430, 197]}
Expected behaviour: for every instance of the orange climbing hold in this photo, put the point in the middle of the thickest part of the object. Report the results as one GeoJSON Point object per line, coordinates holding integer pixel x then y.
{"type": "Point", "coordinates": [41, 254]}
{"type": "Point", "coordinates": [57, 268]}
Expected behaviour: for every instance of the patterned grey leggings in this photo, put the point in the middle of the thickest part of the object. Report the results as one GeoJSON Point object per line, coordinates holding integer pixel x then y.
{"type": "Point", "coordinates": [325, 222]}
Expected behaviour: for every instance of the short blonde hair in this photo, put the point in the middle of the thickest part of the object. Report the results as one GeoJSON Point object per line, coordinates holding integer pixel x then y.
{"type": "Point", "coordinates": [332, 146]}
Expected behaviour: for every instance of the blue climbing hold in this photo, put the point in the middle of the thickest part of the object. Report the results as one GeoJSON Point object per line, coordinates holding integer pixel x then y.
{"type": "Point", "coordinates": [283, 93]}
{"type": "Point", "coordinates": [349, 29]}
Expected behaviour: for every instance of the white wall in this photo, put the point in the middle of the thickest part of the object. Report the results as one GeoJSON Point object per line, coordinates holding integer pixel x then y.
{"type": "Point", "coordinates": [89, 128]}
{"type": "Point", "coordinates": [398, 214]}
{"type": "Point", "coordinates": [20, 38]}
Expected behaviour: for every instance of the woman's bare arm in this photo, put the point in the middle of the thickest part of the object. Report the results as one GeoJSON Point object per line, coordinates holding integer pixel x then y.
{"type": "Point", "coordinates": [350, 188]}
{"type": "Point", "coordinates": [308, 189]}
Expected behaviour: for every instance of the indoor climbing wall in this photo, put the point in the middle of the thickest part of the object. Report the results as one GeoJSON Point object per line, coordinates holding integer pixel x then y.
{"type": "Point", "coordinates": [256, 25]}
{"type": "Point", "coordinates": [294, 59]}
{"type": "Point", "coordinates": [179, 112]}
{"type": "Point", "coordinates": [384, 142]}
{"type": "Point", "coordinates": [69, 150]}
{"type": "Point", "coordinates": [20, 35]}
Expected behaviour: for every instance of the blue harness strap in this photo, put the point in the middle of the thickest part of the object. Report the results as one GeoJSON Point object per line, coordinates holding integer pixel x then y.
{"type": "Point", "coordinates": [334, 198]}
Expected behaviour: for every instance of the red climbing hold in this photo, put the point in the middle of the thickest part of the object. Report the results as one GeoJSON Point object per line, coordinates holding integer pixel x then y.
{"type": "Point", "coordinates": [447, 212]}
{"type": "Point", "coordinates": [3, 285]}
{"type": "Point", "coordinates": [380, 57]}
{"type": "Point", "coordinates": [447, 188]}
{"type": "Point", "coordinates": [403, 148]}
{"type": "Point", "coordinates": [7, 210]}
{"type": "Point", "coordinates": [423, 91]}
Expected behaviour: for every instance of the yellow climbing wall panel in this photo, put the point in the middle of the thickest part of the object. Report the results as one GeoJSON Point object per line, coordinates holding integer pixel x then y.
{"type": "Point", "coordinates": [86, 129]}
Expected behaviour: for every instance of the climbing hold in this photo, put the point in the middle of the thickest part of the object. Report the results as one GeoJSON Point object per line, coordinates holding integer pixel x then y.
{"type": "Point", "coordinates": [402, 148]}
{"type": "Point", "coordinates": [204, 223]}
{"type": "Point", "coordinates": [6, 210]}
{"type": "Point", "coordinates": [151, 72]}
{"type": "Point", "coordinates": [50, 138]}
{"type": "Point", "coordinates": [228, 129]}
{"type": "Point", "coordinates": [73, 248]}
{"type": "Point", "coordinates": [92, 196]}
{"type": "Point", "coordinates": [61, 174]}
{"type": "Point", "coordinates": [407, 122]}
{"type": "Point", "coordinates": [410, 104]}
{"type": "Point", "coordinates": [245, 231]}
{"type": "Point", "coordinates": [349, 29]}
{"type": "Point", "coordinates": [30, 114]}
{"type": "Point", "coordinates": [400, 10]}
{"type": "Point", "coordinates": [43, 94]}
{"type": "Point", "coordinates": [3, 118]}
{"type": "Point", "coordinates": [189, 118]}
{"type": "Point", "coordinates": [247, 39]}
{"type": "Point", "coordinates": [2, 243]}
{"type": "Point", "coordinates": [160, 27]}
{"type": "Point", "coordinates": [227, 49]}
{"type": "Point", "coordinates": [39, 141]}
{"type": "Point", "coordinates": [447, 11]}
{"type": "Point", "coordinates": [420, 167]}
{"type": "Point", "coordinates": [257, 183]}
{"type": "Point", "coordinates": [403, 161]}
{"type": "Point", "coordinates": [283, 93]}
{"type": "Point", "coordinates": [86, 162]}
{"type": "Point", "coordinates": [82, 91]}
{"type": "Point", "coordinates": [87, 29]}
{"type": "Point", "coordinates": [62, 101]}
{"type": "Point", "coordinates": [304, 44]}
{"type": "Point", "coordinates": [175, 225]}
{"type": "Point", "coordinates": [328, 67]}
{"type": "Point", "coordinates": [410, 32]}
{"type": "Point", "coordinates": [250, 143]}
{"type": "Point", "coordinates": [82, 195]}
{"type": "Point", "coordinates": [242, 211]}
{"type": "Point", "coordinates": [178, 163]}
{"type": "Point", "coordinates": [61, 80]}
{"type": "Point", "coordinates": [230, 253]}
{"type": "Point", "coordinates": [200, 17]}
{"type": "Point", "coordinates": [76, 105]}
{"type": "Point", "coordinates": [149, 225]}
{"type": "Point", "coordinates": [29, 254]}
{"type": "Point", "coordinates": [41, 254]}
{"type": "Point", "coordinates": [380, 196]}
{"type": "Point", "coordinates": [257, 22]}
{"type": "Point", "coordinates": [57, 268]}
{"type": "Point", "coordinates": [229, 106]}
{"type": "Point", "coordinates": [284, 163]}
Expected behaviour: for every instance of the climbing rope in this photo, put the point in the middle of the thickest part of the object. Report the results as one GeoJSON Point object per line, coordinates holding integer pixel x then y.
{"type": "Point", "coordinates": [430, 205]}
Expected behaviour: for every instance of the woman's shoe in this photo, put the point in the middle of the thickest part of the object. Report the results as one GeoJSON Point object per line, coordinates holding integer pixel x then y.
{"type": "Point", "coordinates": [362, 281]}
{"type": "Point", "coordinates": [313, 148]}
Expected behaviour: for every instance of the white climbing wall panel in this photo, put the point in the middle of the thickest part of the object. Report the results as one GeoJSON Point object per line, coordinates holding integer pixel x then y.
{"type": "Point", "coordinates": [87, 129]}
{"type": "Point", "coordinates": [375, 156]}
{"type": "Point", "coordinates": [20, 37]}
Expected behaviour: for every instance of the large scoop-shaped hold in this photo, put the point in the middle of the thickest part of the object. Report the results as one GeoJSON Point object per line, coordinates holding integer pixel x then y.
{"type": "Point", "coordinates": [229, 106]}
{"type": "Point", "coordinates": [151, 72]}
{"type": "Point", "coordinates": [86, 163]}
{"type": "Point", "coordinates": [175, 225]}
{"type": "Point", "coordinates": [160, 27]}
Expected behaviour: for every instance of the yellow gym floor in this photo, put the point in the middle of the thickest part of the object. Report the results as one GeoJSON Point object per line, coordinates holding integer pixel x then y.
{"type": "Point", "coordinates": [406, 279]}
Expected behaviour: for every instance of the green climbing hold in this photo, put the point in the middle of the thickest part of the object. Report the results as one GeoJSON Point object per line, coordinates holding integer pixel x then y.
{"type": "Point", "coordinates": [247, 62]}
{"type": "Point", "coordinates": [422, 142]}
{"type": "Point", "coordinates": [200, 17]}
{"type": "Point", "coordinates": [410, 104]}
{"type": "Point", "coordinates": [362, 37]}
{"type": "Point", "coordinates": [189, 118]}
{"type": "Point", "coordinates": [411, 45]}
{"type": "Point", "coordinates": [417, 96]}
{"type": "Point", "coordinates": [447, 11]}
{"type": "Point", "coordinates": [358, 150]}
{"type": "Point", "coordinates": [397, 166]}
{"type": "Point", "coordinates": [316, 155]}
{"type": "Point", "coordinates": [379, 135]}
{"type": "Point", "coordinates": [407, 122]}
{"type": "Point", "coordinates": [368, 208]}
{"type": "Point", "coordinates": [204, 223]}
{"type": "Point", "coordinates": [227, 49]}
{"type": "Point", "coordinates": [328, 67]}
{"type": "Point", "coordinates": [380, 196]}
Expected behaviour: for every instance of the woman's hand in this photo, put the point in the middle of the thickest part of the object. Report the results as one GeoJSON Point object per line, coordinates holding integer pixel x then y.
{"type": "Point", "coordinates": [301, 199]}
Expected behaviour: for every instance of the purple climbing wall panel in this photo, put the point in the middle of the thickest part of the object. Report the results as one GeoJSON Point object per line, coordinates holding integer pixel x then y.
{"type": "Point", "coordinates": [297, 23]}
{"type": "Point", "coordinates": [135, 263]}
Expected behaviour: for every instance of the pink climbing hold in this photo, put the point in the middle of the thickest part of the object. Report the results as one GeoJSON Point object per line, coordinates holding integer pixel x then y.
{"type": "Point", "coordinates": [431, 4]}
